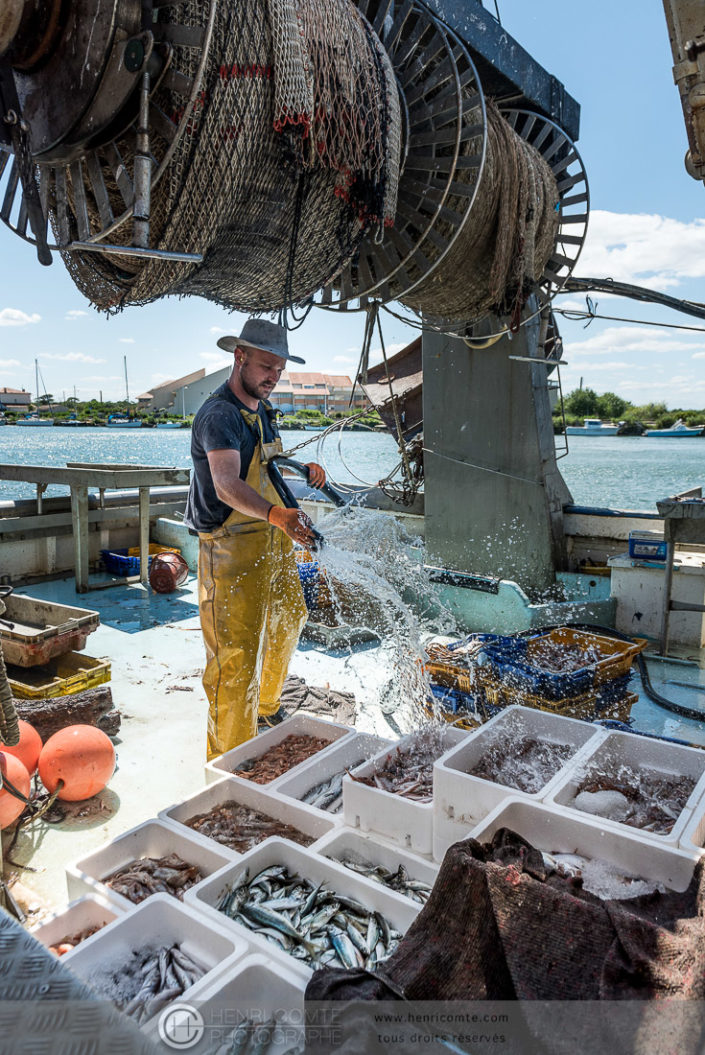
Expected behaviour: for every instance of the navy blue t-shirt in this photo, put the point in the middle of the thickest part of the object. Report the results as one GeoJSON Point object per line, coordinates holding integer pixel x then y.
{"type": "Point", "coordinates": [219, 426]}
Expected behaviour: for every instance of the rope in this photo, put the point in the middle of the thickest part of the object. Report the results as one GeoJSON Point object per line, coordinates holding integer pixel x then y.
{"type": "Point", "coordinates": [9, 724]}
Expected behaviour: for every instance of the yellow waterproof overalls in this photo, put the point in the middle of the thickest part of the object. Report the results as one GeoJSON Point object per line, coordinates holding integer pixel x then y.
{"type": "Point", "coordinates": [252, 612]}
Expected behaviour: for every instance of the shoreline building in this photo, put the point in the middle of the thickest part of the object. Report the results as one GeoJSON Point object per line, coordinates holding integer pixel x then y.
{"type": "Point", "coordinates": [15, 397]}
{"type": "Point", "coordinates": [297, 390]}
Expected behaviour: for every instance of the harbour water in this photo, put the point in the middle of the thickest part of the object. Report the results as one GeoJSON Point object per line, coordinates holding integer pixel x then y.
{"type": "Point", "coordinates": [622, 472]}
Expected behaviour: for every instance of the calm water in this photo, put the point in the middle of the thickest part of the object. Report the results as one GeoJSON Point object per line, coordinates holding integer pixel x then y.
{"type": "Point", "coordinates": [623, 472]}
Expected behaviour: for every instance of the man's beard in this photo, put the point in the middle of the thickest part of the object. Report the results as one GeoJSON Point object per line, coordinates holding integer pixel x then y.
{"type": "Point", "coordinates": [254, 391]}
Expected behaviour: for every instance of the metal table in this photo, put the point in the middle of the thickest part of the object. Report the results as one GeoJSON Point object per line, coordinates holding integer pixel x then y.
{"type": "Point", "coordinates": [683, 522]}
{"type": "Point", "coordinates": [80, 476]}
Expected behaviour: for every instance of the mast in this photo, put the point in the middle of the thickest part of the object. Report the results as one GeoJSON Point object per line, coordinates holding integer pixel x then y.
{"type": "Point", "coordinates": [127, 391]}
{"type": "Point", "coordinates": [36, 381]}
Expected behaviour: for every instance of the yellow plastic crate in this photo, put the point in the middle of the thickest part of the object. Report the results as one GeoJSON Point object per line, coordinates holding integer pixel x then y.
{"type": "Point", "coordinates": [583, 707]}
{"type": "Point", "coordinates": [134, 551]}
{"type": "Point", "coordinates": [608, 656]}
{"type": "Point", "coordinates": [66, 674]}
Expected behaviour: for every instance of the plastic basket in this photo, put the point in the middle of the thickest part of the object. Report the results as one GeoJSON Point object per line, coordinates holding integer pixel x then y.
{"type": "Point", "coordinates": [127, 561]}
{"type": "Point", "coordinates": [67, 674]}
{"type": "Point", "coordinates": [524, 671]}
{"type": "Point", "coordinates": [614, 703]}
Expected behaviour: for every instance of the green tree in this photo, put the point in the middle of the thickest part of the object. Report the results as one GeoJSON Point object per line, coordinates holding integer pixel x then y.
{"type": "Point", "coordinates": [611, 406]}
{"type": "Point", "coordinates": [582, 402]}
{"type": "Point", "coordinates": [46, 400]}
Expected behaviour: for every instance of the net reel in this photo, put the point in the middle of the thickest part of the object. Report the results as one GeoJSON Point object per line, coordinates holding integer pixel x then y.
{"type": "Point", "coordinates": [144, 133]}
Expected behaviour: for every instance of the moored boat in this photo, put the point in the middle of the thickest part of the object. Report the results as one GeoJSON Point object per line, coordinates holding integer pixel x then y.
{"type": "Point", "coordinates": [119, 421]}
{"type": "Point", "coordinates": [592, 427]}
{"type": "Point", "coordinates": [34, 420]}
{"type": "Point", "coordinates": [679, 430]}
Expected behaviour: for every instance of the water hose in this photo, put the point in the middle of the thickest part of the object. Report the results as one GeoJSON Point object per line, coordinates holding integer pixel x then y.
{"type": "Point", "coordinates": [285, 493]}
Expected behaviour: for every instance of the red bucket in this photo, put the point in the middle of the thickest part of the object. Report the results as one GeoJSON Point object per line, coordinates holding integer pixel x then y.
{"type": "Point", "coordinates": [168, 571]}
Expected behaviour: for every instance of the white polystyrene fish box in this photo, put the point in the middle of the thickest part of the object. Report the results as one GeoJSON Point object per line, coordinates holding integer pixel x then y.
{"type": "Point", "coordinates": [403, 820]}
{"type": "Point", "coordinates": [269, 998]}
{"type": "Point", "coordinates": [313, 823]}
{"type": "Point", "coordinates": [298, 725]}
{"type": "Point", "coordinates": [79, 915]}
{"type": "Point", "coordinates": [693, 837]}
{"type": "Point", "coordinates": [397, 910]}
{"type": "Point", "coordinates": [460, 799]}
{"type": "Point", "coordinates": [350, 844]}
{"type": "Point", "coordinates": [350, 753]}
{"type": "Point", "coordinates": [151, 839]}
{"type": "Point", "coordinates": [556, 830]}
{"type": "Point", "coordinates": [619, 755]}
{"type": "Point", "coordinates": [160, 921]}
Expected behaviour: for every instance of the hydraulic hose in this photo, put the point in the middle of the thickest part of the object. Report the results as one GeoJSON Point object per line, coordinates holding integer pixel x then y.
{"type": "Point", "coordinates": [9, 725]}
{"type": "Point", "coordinates": [298, 467]}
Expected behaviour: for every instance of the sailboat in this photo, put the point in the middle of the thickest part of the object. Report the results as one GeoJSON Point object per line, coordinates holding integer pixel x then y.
{"type": "Point", "coordinates": [34, 419]}
{"type": "Point", "coordinates": [124, 421]}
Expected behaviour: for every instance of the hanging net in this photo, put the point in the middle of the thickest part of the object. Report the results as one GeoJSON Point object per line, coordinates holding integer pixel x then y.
{"type": "Point", "coordinates": [290, 155]}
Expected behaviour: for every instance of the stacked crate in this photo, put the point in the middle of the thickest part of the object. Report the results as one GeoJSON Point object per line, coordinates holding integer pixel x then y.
{"type": "Point", "coordinates": [42, 643]}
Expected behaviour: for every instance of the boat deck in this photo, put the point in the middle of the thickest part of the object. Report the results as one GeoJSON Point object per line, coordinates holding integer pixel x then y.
{"type": "Point", "coordinates": [155, 648]}
{"type": "Point", "coordinates": [154, 645]}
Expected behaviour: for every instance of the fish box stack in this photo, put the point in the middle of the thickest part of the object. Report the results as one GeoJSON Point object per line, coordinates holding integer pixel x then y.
{"type": "Point", "coordinates": [42, 643]}
{"type": "Point", "coordinates": [565, 671]}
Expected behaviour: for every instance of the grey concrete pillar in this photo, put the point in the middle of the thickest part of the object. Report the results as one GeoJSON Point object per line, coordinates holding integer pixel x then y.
{"type": "Point", "coordinates": [493, 492]}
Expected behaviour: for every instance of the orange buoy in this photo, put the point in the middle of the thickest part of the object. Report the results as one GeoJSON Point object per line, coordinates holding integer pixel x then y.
{"type": "Point", "coordinates": [80, 755]}
{"type": "Point", "coordinates": [16, 773]}
{"type": "Point", "coordinates": [29, 747]}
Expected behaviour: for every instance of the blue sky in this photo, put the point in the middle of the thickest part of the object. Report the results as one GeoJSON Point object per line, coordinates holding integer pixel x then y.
{"type": "Point", "coordinates": [647, 227]}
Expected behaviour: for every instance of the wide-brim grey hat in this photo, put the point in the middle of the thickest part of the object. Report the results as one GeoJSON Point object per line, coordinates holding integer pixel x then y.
{"type": "Point", "coordinates": [259, 333]}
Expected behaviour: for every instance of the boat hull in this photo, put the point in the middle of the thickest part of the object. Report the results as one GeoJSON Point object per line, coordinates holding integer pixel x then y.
{"type": "Point", "coordinates": [580, 430]}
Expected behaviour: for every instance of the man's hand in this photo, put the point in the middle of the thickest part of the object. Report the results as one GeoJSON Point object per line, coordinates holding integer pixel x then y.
{"type": "Point", "coordinates": [316, 474]}
{"type": "Point", "coordinates": [294, 523]}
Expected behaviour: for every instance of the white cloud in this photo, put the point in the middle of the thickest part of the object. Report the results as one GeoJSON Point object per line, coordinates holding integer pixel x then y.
{"type": "Point", "coordinates": [217, 329]}
{"type": "Point", "coordinates": [698, 355]}
{"type": "Point", "coordinates": [343, 359]}
{"type": "Point", "coordinates": [645, 249]}
{"type": "Point", "coordinates": [15, 317]}
{"type": "Point", "coordinates": [621, 339]}
{"type": "Point", "coordinates": [126, 340]}
{"type": "Point", "coordinates": [4, 363]}
{"type": "Point", "coordinates": [217, 359]}
{"type": "Point", "coordinates": [71, 357]}
{"type": "Point", "coordinates": [74, 313]}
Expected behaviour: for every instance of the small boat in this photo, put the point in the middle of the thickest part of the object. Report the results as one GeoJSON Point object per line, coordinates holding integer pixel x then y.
{"type": "Point", "coordinates": [315, 428]}
{"type": "Point", "coordinates": [35, 420]}
{"type": "Point", "coordinates": [169, 425]}
{"type": "Point", "coordinates": [679, 430]}
{"type": "Point", "coordinates": [592, 427]}
{"type": "Point", "coordinates": [119, 421]}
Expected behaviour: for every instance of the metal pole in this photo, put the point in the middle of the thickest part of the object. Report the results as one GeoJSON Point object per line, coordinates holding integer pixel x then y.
{"type": "Point", "coordinates": [667, 588]}
{"type": "Point", "coordinates": [142, 170]}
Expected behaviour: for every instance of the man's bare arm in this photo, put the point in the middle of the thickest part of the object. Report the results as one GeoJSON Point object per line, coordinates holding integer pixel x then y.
{"type": "Point", "coordinates": [234, 492]}
{"type": "Point", "coordinates": [230, 489]}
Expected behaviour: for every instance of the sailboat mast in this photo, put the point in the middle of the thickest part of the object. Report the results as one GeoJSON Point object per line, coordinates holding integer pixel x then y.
{"type": "Point", "coordinates": [127, 391]}
{"type": "Point", "coordinates": [36, 379]}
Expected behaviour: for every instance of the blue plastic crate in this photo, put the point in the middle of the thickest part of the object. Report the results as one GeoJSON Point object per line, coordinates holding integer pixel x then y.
{"type": "Point", "coordinates": [117, 562]}
{"type": "Point", "coordinates": [309, 576]}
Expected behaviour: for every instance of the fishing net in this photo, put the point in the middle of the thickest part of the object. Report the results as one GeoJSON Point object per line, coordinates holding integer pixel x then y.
{"type": "Point", "coordinates": [290, 154]}
{"type": "Point", "coordinates": [503, 245]}
{"type": "Point", "coordinates": [499, 926]}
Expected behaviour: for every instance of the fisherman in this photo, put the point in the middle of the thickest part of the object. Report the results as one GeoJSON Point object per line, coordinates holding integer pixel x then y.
{"type": "Point", "coordinates": [250, 598]}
